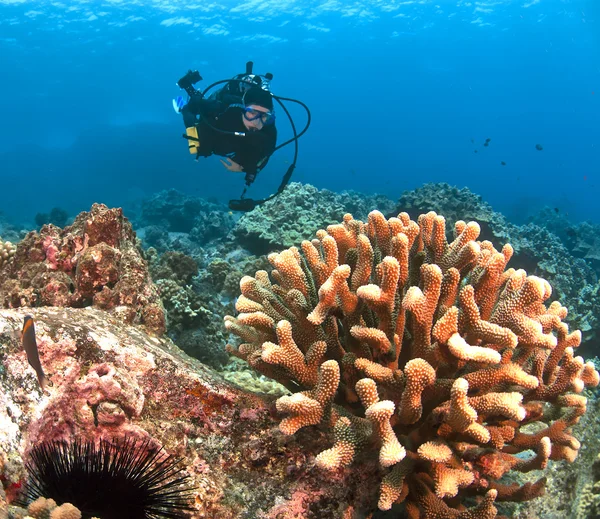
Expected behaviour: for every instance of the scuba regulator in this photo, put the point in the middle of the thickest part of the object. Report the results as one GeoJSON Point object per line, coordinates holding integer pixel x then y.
{"type": "Point", "coordinates": [237, 87]}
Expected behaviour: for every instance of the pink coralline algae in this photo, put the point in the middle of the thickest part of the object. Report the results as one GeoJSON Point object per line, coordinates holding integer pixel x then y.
{"type": "Point", "coordinates": [93, 262]}
{"type": "Point", "coordinates": [112, 381]}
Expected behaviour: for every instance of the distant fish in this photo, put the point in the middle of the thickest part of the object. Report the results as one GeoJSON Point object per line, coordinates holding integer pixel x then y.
{"type": "Point", "coordinates": [474, 151]}
{"type": "Point", "coordinates": [539, 147]}
{"type": "Point", "coordinates": [30, 347]}
{"type": "Point", "coordinates": [503, 163]}
{"type": "Point", "coordinates": [487, 142]}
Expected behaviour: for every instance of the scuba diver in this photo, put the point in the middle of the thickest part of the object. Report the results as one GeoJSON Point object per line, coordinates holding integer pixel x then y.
{"type": "Point", "coordinates": [236, 122]}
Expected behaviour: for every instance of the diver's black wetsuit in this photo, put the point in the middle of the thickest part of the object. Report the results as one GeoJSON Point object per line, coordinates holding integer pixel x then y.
{"type": "Point", "coordinates": [248, 151]}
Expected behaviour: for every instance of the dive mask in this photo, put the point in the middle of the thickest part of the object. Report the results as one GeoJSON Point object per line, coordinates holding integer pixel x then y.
{"type": "Point", "coordinates": [250, 114]}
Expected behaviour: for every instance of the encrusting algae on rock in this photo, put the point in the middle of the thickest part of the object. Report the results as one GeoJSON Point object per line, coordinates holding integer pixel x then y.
{"type": "Point", "coordinates": [93, 262]}
{"type": "Point", "coordinates": [112, 382]}
{"type": "Point", "coordinates": [431, 359]}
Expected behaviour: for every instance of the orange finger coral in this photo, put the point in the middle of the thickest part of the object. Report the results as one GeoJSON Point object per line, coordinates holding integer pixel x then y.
{"type": "Point", "coordinates": [429, 353]}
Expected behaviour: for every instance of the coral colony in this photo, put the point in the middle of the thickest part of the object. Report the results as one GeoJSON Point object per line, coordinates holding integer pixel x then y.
{"type": "Point", "coordinates": [423, 375]}
{"type": "Point", "coordinates": [431, 356]}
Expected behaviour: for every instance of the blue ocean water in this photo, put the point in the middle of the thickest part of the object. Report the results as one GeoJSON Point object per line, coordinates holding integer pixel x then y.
{"type": "Point", "coordinates": [401, 93]}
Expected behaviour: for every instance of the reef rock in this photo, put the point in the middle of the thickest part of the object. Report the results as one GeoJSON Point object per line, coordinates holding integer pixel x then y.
{"type": "Point", "coordinates": [93, 262]}
{"type": "Point", "coordinates": [170, 214]}
{"type": "Point", "coordinates": [110, 380]}
{"type": "Point", "coordinates": [299, 211]}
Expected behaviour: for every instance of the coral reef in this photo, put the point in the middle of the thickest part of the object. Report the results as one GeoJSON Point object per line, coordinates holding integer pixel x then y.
{"type": "Point", "coordinates": [456, 204]}
{"type": "Point", "coordinates": [3, 502]}
{"type": "Point", "coordinates": [299, 211]}
{"type": "Point", "coordinates": [245, 377]}
{"type": "Point", "coordinates": [184, 306]}
{"type": "Point", "coordinates": [584, 241]}
{"type": "Point", "coordinates": [9, 231]}
{"type": "Point", "coordinates": [193, 314]}
{"type": "Point", "coordinates": [211, 225]}
{"type": "Point", "coordinates": [589, 498]}
{"type": "Point", "coordinates": [56, 216]}
{"type": "Point", "coordinates": [113, 381]}
{"type": "Point", "coordinates": [174, 212]}
{"type": "Point", "coordinates": [566, 483]}
{"type": "Point", "coordinates": [223, 275]}
{"type": "Point", "coordinates": [43, 508]}
{"type": "Point", "coordinates": [428, 358]}
{"type": "Point", "coordinates": [95, 261]}
{"type": "Point", "coordinates": [197, 291]}
{"type": "Point", "coordinates": [545, 247]}
{"type": "Point", "coordinates": [7, 252]}
{"type": "Point", "coordinates": [581, 239]}
{"type": "Point", "coordinates": [205, 342]}
{"type": "Point", "coordinates": [175, 266]}
{"type": "Point", "coordinates": [105, 384]}
{"type": "Point", "coordinates": [156, 237]}
{"type": "Point", "coordinates": [182, 229]}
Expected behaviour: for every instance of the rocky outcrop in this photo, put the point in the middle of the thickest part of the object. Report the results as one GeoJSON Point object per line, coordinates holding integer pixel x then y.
{"type": "Point", "coordinates": [110, 380]}
{"type": "Point", "coordinates": [93, 262]}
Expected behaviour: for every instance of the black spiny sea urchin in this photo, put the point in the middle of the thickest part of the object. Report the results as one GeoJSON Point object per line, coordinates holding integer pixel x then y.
{"type": "Point", "coordinates": [112, 480]}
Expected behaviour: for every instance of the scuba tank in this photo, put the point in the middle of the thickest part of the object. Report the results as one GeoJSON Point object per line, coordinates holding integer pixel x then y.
{"type": "Point", "coordinates": [242, 82]}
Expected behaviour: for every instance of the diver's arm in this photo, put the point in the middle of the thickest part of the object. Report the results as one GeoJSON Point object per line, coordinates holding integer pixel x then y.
{"type": "Point", "coordinates": [199, 142]}
{"type": "Point", "coordinates": [197, 105]}
{"type": "Point", "coordinates": [269, 144]}
{"type": "Point", "coordinates": [256, 156]}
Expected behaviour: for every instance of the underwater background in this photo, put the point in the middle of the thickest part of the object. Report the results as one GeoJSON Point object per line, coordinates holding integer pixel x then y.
{"type": "Point", "coordinates": [163, 318]}
{"type": "Point", "coordinates": [401, 93]}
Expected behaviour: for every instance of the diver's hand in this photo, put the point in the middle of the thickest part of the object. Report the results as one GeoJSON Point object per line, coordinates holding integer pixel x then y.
{"type": "Point", "coordinates": [232, 166]}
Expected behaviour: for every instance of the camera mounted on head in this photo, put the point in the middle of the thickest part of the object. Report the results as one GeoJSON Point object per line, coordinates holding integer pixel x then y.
{"type": "Point", "coordinates": [188, 81]}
